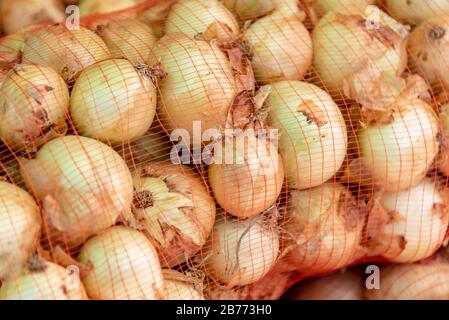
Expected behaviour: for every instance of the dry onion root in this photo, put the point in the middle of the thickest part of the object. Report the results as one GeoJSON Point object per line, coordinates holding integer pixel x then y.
{"type": "Point", "coordinates": [408, 225]}
{"type": "Point", "coordinates": [123, 265]}
{"type": "Point", "coordinates": [34, 103]}
{"type": "Point", "coordinates": [180, 286]}
{"type": "Point", "coordinates": [173, 208]}
{"type": "Point", "coordinates": [313, 136]}
{"type": "Point", "coordinates": [415, 12]}
{"type": "Point", "coordinates": [20, 222]}
{"type": "Point", "coordinates": [66, 51]}
{"type": "Point", "coordinates": [83, 186]}
{"type": "Point", "coordinates": [325, 226]}
{"type": "Point", "coordinates": [114, 101]}
{"type": "Point", "coordinates": [46, 281]}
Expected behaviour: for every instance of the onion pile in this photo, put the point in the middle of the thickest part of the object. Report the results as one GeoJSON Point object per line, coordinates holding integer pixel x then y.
{"type": "Point", "coordinates": [82, 184]}
{"type": "Point", "coordinates": [172, 206]}
{"type": "Point", "coordinates": [114, 101]}
{"type": "Point", "coordinates": [20, 222]}
{"type": "Point", "coordinates": [182, 287]}
{"type": "Point", "coordinates": [416, 11]}
{"type": "Point", "coordinates": [34, 102]}
{"type": "Point", "coordinates": [313, 137]}
{"type": "Point", "coordinates": [123, 265]}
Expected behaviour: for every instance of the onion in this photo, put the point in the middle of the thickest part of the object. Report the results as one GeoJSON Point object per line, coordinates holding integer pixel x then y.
{"type": "Point", "coordinates": [200, 85]}
{"type": "Point", "coordinates": [443, 158]}
{"type": "Point", "coordinates": [408, 225]}
{"type": "Point", "coordinates": [208, 18]}
{"type": "Point", "coordinates": [280, 45]}
{"type": "Point", "coordinates": [113, 101]}
{"type": "Point", "coordinates": [20, 222]}
{"type": "Point", "coordinates": [325, 225]}
{"type": "Point", "coordinates": [18, 14]}
{"type": "Point", "coordinates": [124, 266]}
{"type": "Point", "coordinates": [358, 46]}
{"type": "Point", "coordinates": [339, 286]}
{"type": "Point", "coordinates": [313, 137]}
{"type": "Point", "coordinates": [425, 280]}
{"type": "Point", "coordinates": [66, 51]}
{"type": "Point", "coordinates": [48, 282]}
{"type": "Point", "coordinates": [174, 208]}
{"type": "Point", "coordinates": [241, 252]}
{"type": "Point", "coordinates": [416, 11]}
{"type": "Point", "coordinates": [252, 9]}
{"type": "Point", "coordinates": [90, 7]}
{"type": "Point", "coordinates": [127, 38]}
{"type": "Point", "coordinates": [181, 286]}
{"type": "Point", "coordinates": [321, 7]}
{"type": "Point", "coordinates": [34, 102]}
{"type": "Point", "coordinates": [83, 186]}
{"type": "Point", "coordinates": [11, 48]}
{"type": "Point", "coordinates": [156, 16]}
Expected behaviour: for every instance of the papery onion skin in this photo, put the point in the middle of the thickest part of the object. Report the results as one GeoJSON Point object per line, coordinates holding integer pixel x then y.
{"type": "Point", "coordinates": [325, 226]}
{"type": "Point", "coordinates": [180, 286]}
{"type": "Point", "coordinates": [51, 282]}
{"type": "Point", "coordinates": [200, 85]}
{"type": "Point", "coordinates": [413, 222]}
{"type": "Point", "coordinates": [415, 12]}
{"type": "Point", "coordinates": [175, 208]}
{"type": "Point", "coordinates": [127, 38]}
{"type": "Point", "coordinates": [281, 47]}
{"type": "Point", "coordinates": [124, 264]}
{"type": "Point", "coordinates": [313, 135]}
{"type": "Point", "coordinates": [241, 252]}
{"type": "Point", "coordinates": [66, 51]}
{"type": "Point", "coordinates": [17, 14]}
{"type": "Point", "coordinates": [112, 101]}
{"type": "Point", "coordinates": [398, 154]}
{"type": "Point", "coordinates": [208, 18]}
{"type": "Point", "coordinates": [34, 103]}
{"type": "Point", "coordinates": [89, 7]}
{"type": "Point", "coordinates": [247, 189]}
{"type": "Point", "coordinates": [83, 186]}
{"type": "Point", "coordinates": [20, 222]}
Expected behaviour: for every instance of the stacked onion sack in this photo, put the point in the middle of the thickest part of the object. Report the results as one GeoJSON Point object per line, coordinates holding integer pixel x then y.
{"type": "Point", "coordinates": [224, 149]}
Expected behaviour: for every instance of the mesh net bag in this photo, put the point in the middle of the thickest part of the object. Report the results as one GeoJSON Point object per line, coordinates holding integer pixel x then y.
{"type": "Point", "coordinates": [206, 149]}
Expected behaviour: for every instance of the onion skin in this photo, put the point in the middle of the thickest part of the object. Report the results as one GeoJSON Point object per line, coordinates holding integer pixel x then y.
{"type": "Point", "coordinates": [207, 17]}
{"type": "Point", "coordinates": [200, 84]}
{"type": "Point", "coordinates": [51, 282]}
{"type": "Point", "coordinates": [409, 225]}
{"type": "Point", "coordinates": [17, 14]}
{"type": "Point", "coordinates": [281, 47]}
{"type": "Point", "coordinates": [181, 287]}
{"type": "Point", "coordinates": [322, 7]}
{"type": "Point", "coordinates": [313, 136]}
{"type": "Point", "coordinates": [112, 101]}
{"type": "Point", "coordinates": [416, 11]}
{"type": "Point", "coordinates": [83, 186]}
{"type": "Point", "coordinates": [252, 9]}
{"type": "Point", "coordinates": [175, 208]}
{"type": "Point", "coordinates": [34, 104]}
{"type": "Point", "coordinates": [66, 51]}
{"type": "Point", "coordinates": [90, 7]}
{"type": "Point", "coordinates": [443, 158]}
{"type": "Point", "coordinates": [398, 154]}
{"type": "Point", "coordinates": [325, 225]}
{"type": "Point", "coordinates": [20, 224]}
{"type": "Point", "coordinates": [124, 264]}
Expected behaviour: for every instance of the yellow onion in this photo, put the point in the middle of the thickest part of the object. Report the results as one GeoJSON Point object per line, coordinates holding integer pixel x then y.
{"type": "Point", "coordinates": [156, 16]}
{"type": "Point", "coordinates": [425, 280]}
{"type": "Point", "coordinates": [313, 136]}
{"type": "Point", "coordinates": [180, 286]}
{"type": "Point", "coordinates": [17, 14]}
{"type": "Point", "coordinates": [241, 252]}
{"type": "Point", "coordinates": [20, 229]}
{"type": "Point", "coordinates": [252, 9]}
{"type": "Point", "coordinates": [200, 84]}
{"type": "Point", "coordinates": [280, 45]}
{"type": "Point", "coordinates": [90, 7]}
{"type": "Point", "coordinates": [416, 11]}
{"type": "Point", "coordinates": [338, 286]}
{"type": "Point", "coordinates": [325, 228]}
{"type": "Point", "coordinates": [48, 282]}
{"type": "Point", "coordinates": [123, 266]}
{"type": "Point", "coordinates": [114, 101]}
{"type": "Point", "coordinates": [208, 18]}
{"type": "Point", "coordinates": [11, 48]}
{"type": "Point", "coordinates": [34, 102]}
{"type": "Point", "coordinates": [127, 38]}
{"type": "Point", "coordinates": [321, 7]}
{"type": "Point", "coordinates": [83, 186]}
{"type": "Point", "coordinates": [408, 225]}
{"type": "Point", "coordinates": [428, 46]}
{"type": "Point", "coordinates": [174, 209]}
{"type": "Point", "coordinates": [357, 46]}
{"type": "Point", "coordinates": [66, 51]}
